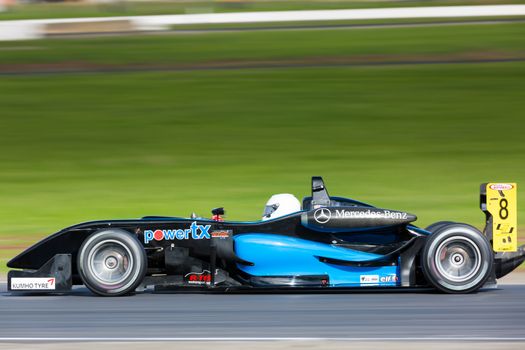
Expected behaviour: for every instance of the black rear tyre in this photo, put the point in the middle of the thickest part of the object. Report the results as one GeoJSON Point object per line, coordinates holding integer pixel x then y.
{"type": "Point", "coordinates": [457, 258]}
{"type": "Point", "coordinates": [437, 225]}
{"type": "Point", "coordinates": [112, 262]}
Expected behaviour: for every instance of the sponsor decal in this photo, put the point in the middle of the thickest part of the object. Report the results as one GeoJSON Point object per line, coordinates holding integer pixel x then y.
{"type": "Point", "coordinates": [501, 187]}
{"type": "Point", "coordinates": [322, 215]}
{"type": "Point", "coordinates": [369, 279]}
{"type": "Point", "coordinates": [30, 283]}
{"type": "Point", "coordinates": [222, 234]}
{"type": "Point", "coordinates": [199, 278]}
{"type": "Point", "coordinates": [383, 214]}
{"type": "Point", "coordinates": [194, 232]}
{"type": "Point", "coordinates": [376, 279]}
{"type": "Point", "coordinates": [389, 278]}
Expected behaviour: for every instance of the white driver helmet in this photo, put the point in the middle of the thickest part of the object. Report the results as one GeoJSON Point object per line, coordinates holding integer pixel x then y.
{"type": "Point", "coordinates": [280, 205]}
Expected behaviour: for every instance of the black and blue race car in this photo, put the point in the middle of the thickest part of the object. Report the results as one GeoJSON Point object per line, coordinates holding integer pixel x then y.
{"type": "Point", "coordinates": [324, 243]}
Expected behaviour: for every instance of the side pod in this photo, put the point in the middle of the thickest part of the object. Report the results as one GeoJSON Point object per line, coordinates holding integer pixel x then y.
{"type": "Point", "coordinates": [53, 277]}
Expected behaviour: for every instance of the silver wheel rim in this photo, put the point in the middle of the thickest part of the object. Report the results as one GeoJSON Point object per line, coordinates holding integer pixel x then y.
{"type": "Point", "coordinates": [458, 259]}
{"type": "Point", "coordinates": [110, 262]}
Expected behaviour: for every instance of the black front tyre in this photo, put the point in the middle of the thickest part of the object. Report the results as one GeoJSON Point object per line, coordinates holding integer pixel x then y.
{"type": "Point", "coordinates": [112, 262]}
{"type": "Point", "coordinates": [457, 258]}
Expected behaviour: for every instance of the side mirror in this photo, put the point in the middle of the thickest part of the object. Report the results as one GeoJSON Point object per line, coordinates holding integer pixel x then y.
{"type": "Point", "coordinates": [218, 211]}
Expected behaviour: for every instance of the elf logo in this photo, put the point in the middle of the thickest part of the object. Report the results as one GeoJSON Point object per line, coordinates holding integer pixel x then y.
{"type": "Point", "coordinates": [195, 232]}
{"type": "Point", "coordinates": [389, 278]}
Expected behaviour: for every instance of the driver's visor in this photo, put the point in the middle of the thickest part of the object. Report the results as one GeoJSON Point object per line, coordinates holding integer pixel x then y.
{"type": "Point", "coordinates": [269, 209]}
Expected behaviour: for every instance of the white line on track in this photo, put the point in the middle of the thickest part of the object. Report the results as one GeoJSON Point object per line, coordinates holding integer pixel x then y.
{"type": "Point", "coordinates": [31, 29]}
{"type": "Point", "coordinates": [254, 339]}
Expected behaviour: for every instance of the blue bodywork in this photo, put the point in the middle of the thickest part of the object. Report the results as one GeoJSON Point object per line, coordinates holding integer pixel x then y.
{"type": "Point", "coordinates": [277, 255]}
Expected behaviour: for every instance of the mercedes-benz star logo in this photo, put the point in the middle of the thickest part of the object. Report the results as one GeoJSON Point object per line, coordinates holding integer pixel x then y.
{"type": "Point", "coordinates": [322, 215]}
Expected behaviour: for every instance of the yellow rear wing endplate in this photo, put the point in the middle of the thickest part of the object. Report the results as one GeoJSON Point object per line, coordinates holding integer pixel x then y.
{"type": "Point", "coordinates": [499, 203]}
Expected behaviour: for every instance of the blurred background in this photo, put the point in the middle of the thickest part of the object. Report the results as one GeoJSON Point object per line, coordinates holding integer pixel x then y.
{"type": "Point", "coordinates": [103, 119]}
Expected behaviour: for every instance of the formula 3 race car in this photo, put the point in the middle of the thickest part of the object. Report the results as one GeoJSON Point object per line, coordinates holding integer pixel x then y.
{"type": "Point", "coordinates": [326, 243]}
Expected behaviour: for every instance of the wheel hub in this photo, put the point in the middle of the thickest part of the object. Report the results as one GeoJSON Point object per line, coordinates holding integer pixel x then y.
{"type": "Point", "coordinates": [110, 262]}
{"type": "Point", "coordinates": [458, 259]}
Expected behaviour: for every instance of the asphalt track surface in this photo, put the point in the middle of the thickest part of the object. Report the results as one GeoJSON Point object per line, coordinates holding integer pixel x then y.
{"type": "Point", "coordinates": [495, 314]}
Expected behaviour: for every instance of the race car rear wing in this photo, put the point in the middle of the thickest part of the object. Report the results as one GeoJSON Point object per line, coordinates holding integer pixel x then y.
{"type": "Point", "coordinates": [499, 203]}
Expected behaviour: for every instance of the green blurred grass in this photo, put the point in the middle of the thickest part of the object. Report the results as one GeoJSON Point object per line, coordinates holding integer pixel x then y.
{"type": "Point", "coordinates": [341, 24]}
{"type": "Point", "coordinates": [239, 46]}
{"type": "Point", "coordinates": [419, 138]}
{"type": "Point", "coordinates": [67, 10]}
